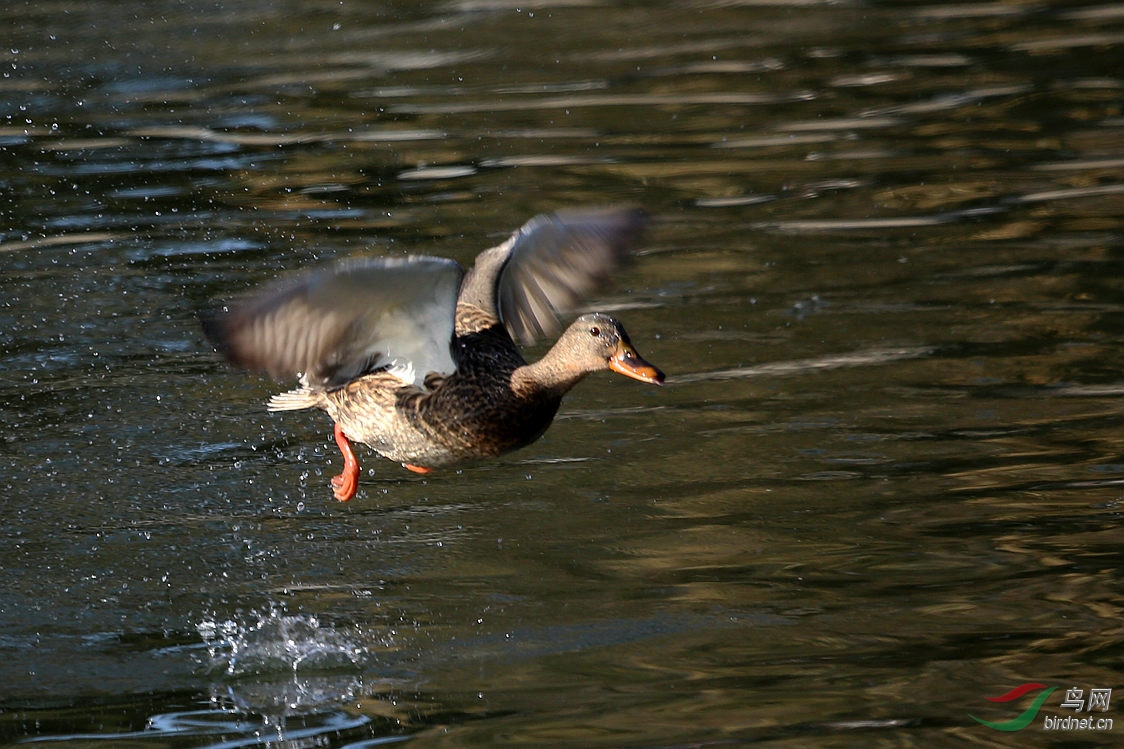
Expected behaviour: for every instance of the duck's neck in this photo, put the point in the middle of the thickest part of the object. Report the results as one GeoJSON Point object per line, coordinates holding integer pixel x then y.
{"type": "Point", "coordinates": [551, 374]}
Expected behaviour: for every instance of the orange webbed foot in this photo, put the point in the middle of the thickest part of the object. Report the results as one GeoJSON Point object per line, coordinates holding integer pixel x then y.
{"type": "Point", "coordinates": [416, 469]}
{"type": "Point", "coordinates": [345, 485]}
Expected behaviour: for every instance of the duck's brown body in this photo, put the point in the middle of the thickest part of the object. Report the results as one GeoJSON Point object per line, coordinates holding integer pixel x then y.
{"type": "Point", "coordinates": [419, 364]}
{"type": "Point", "coordinates": [479, 411]}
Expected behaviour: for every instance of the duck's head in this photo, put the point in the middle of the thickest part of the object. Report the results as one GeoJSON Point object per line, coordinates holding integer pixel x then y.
{"type": "Point", "coordinates": [598, 341]}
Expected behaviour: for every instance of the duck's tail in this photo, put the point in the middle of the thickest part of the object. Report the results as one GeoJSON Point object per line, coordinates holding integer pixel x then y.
{"type": "Point", "coordinates": [295, 400]}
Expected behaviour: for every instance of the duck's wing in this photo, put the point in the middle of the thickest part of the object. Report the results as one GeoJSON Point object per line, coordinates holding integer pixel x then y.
{"type": "Point", "coordinates": [556, 259]}
{"type": "Point", "coordinates": [337, 324]}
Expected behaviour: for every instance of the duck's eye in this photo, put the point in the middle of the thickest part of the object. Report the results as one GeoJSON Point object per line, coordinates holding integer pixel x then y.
{"type": "Point", "coordinates": [595, 331]}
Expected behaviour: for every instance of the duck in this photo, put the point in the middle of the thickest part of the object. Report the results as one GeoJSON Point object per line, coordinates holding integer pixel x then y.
{"type": "Point", "coordinates": [416, 358]}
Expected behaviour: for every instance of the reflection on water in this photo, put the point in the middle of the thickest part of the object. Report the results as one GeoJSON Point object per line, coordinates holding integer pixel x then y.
{"type": "Point", "coordinates": [884, 477]}
{"type": "Point", "coordinates": [223, 728]}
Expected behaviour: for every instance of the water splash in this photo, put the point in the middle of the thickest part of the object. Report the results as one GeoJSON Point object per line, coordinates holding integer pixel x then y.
{"type": "Point", "coordinates": [274, 642]}
{"type": "Point", "coordinates": [278, 664]}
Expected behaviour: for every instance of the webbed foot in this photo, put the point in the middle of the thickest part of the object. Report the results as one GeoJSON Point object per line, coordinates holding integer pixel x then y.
{"type": "Point", "coordinates": [345, 485]}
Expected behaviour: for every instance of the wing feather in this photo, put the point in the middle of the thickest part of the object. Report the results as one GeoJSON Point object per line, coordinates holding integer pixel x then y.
{"type": "Point", "coordinates": [339, 323]}
{"type": "Point", "coordinates": [556, 260]}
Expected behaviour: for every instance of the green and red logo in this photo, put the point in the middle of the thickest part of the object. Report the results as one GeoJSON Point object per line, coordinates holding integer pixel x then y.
{"type": "Point", "coordinates": [1097, 701]}
{"type": "Point", "coordinates": [1027, 717]}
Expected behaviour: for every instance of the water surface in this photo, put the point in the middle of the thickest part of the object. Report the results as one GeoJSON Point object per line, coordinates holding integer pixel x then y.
{"type": "Point", "coordinates": [883, 480]}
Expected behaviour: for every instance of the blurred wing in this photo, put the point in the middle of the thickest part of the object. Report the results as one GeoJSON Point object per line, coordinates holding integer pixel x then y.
{"type": "Point", "coordinates": [556, 260]}
{"type": "Point", "coordinates": [337, 324]}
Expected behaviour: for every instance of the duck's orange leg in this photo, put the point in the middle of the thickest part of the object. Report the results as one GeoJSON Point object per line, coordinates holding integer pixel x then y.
{"type": "Point", "coordinates": [416, 469]}
{"type": "Point", "coordinates": [344, 485]}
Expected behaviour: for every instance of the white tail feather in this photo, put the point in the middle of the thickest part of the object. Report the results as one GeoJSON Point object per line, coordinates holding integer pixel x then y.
{"type": "Point", "coordinates": [294, 400]}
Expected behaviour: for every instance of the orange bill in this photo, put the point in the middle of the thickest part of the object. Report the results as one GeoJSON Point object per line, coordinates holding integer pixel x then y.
{"type": "Point", "coordinates": [629, 363]}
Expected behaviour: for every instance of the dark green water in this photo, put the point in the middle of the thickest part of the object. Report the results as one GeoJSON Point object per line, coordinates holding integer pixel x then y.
{"type": "Point", "coordinates": [883, 482]}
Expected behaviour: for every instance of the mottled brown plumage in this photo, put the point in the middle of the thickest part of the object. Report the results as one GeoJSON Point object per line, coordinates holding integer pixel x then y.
{"type": "Point", "coordinates": [416, 359]}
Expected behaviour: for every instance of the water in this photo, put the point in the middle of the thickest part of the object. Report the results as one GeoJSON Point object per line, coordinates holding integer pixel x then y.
{"type": "Point", "coordinates": [882, 483]}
